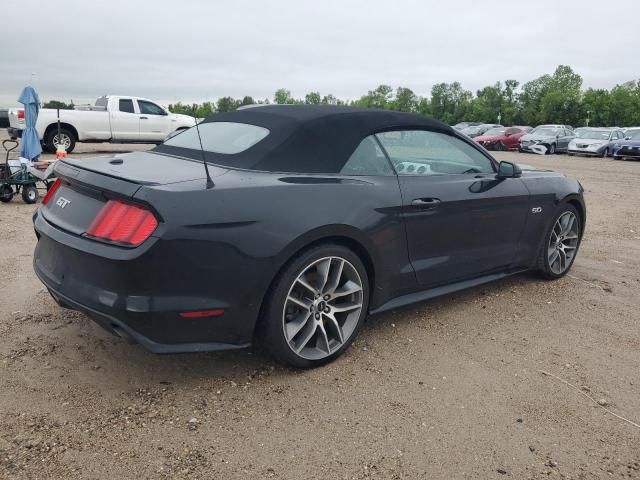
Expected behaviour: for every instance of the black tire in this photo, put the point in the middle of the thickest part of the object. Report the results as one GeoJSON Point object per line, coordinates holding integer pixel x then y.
{"type": "Point", "coordinates": [30, 194]}
{"type": "Point", "coordinates": [6, 193]}
{"type": "Point", "coordinates": [500, 147]}
{"type": "Point", "coordinates": [272, 326]}
{"type": "Point", "coordinates": [542, 263]}
{"type": "Point", "coordinates": [64, 132]}
{"type": "Point", "coordinates": [552, 149]}
{"type": "Point", "coordinates": [605, 154]}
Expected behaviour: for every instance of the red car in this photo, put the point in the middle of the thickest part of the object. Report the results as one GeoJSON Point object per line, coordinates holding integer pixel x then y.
{"type": "Point", "coordinates": [502, 138]}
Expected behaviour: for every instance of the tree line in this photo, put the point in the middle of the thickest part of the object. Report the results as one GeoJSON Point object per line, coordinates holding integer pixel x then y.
{"type": "Point", "coordinates": [551, 98]}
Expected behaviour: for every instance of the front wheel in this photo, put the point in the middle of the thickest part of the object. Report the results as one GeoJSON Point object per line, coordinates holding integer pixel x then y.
{"type": "Point", "coordinates": [605, 154]}
{"type": "Point", "coordinates": [67, 139]}
{"type": "Point", "coordinates": [561, 244]}
{"type": "Point", "coordinates": [316, 306]}
{"type": "Point", "coordinates": [552, 149]}
{"type": "Point", "coordinates": [30, 194]}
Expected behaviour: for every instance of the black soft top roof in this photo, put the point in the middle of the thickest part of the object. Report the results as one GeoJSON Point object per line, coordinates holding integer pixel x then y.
{"type": "Point", "coordinates": [307, 138]}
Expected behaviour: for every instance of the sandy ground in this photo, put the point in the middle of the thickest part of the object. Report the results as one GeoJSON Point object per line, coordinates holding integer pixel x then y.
{"type": "Point", "coordinates": [449, 389]}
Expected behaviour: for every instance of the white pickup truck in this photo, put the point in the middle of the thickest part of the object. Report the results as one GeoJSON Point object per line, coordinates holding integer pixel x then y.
{"type": "Point", "coordinates": [113, 118]}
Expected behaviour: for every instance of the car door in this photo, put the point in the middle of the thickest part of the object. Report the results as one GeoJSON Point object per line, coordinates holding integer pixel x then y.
{"type": "Point", "coordinates": [461, 220]}
{"type": "Point", "coordinates": [511, 137]}
{"type": "Point", "coordinates": [154, 121]}
{"type": "Point", "coordinates": [125, 124]}
{"type": "Point", "coordinates": [565, 138]}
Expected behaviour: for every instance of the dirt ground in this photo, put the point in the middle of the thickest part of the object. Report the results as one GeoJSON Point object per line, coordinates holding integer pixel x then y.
{"type": "Point", "coordinates": [451, 388]}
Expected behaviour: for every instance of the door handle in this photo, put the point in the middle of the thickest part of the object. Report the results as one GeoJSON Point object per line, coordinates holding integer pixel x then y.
{"type": "Point", "coordinates": [425, 203]}
{"type": "Point", "coordinates": [144, 118]}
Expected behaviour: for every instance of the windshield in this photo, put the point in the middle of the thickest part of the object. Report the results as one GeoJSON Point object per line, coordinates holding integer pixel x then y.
{"type": "Point", "coordinates": [494, 131]}
{"type": "Point", "coordinates": [545, 132]}
{"type": "Point", "coordinates": [594, 134]}
{"type": "Point", "coordinates": [470, 130]}
{"type": "Point", "coordinates": [220, 137]}
{"type": "Point", "coordinates": [633, 134]}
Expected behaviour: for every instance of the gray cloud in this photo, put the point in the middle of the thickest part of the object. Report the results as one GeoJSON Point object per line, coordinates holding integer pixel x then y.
{"type": "Point", "coordinates": [198, 50]}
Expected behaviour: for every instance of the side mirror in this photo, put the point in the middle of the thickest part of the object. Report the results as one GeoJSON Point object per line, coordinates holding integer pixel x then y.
{"type": "Point", "coordinates": [509, 170]}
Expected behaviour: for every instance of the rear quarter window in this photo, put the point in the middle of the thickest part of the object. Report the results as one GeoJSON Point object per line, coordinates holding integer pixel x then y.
{"type": "Point", "coordinates": [220, 137]}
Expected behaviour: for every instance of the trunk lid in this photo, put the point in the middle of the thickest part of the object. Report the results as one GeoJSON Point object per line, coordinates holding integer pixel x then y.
{"type": "Point", "coordinates": [145, 168]}
{"type": "Point", "coordinates": [87, 184]}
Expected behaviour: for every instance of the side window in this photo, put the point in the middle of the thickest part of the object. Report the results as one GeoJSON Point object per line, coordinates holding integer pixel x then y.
{"type": "Point", "coordinates": [126, 105]}
{"type": "Point", "coordinates": [148, 108]}
{"type": "Point", "coordinates": [422, 152]}
{"type": "Point", "coordinates": [367, 159]}
{"type": "Point", "coordinates": [512, 131]}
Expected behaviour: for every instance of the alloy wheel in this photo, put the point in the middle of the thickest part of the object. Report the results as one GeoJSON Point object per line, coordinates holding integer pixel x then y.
{"type": "Point", "coordinates": [563, 243]}
{"type": "Point", "coordinates": [63, 140]}
{"type": "Point", "coordinates": [322, 308]}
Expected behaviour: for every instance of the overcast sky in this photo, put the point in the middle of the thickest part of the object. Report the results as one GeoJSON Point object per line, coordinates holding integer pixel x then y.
{"type": "Point", "coordinates": [193, 50]}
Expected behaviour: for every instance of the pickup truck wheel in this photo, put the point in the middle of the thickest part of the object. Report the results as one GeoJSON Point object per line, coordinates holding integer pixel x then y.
{"type": "Point", "coordinates": [66, 136]}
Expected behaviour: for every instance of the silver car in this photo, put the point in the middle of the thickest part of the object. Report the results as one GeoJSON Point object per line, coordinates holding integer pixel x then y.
{"type": "Point", "coordinates": [595, 141]}
{"type": "Point", "coordinates": [554, 138]}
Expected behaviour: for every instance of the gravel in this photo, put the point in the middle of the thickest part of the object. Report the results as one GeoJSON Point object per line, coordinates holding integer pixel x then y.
{"type": "Point", "coordinates": [428, 391]}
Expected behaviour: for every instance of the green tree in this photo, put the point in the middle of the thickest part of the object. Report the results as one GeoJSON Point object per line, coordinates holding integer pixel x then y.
{"type": "Point", "coordinates": [450, 102]}
{"type": "Point", "coordinates": [282, 97]}
{"type": "Point", "coordinates": [58, 104]}
{"type": "Point", "coordinates": [405, 100]}
{"type": "Point", "coordinates": [380, 97]}
{"type": "Point", "coordinates": [596, 108]}
{"type": "Point", "coordinates": [227, 104]}
{"type": "Point", "coordinates": [247, 100]}
{"type": "Point", "coordinates": [312, 98]}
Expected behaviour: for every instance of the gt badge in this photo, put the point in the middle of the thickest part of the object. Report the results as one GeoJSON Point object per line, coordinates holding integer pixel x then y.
{"type": "Point", "coordinates": [62, 202]}
{"type": "Point", "coordinates": [536, 209]}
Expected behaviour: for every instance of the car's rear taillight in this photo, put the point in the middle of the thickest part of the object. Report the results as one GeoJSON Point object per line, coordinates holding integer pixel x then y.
{"type": "Point", "coordinates": [20, 114]}
{"type": "Point", "coordinates": [122, 223]}
{"type": "Point", "coordinates": [52, 191]}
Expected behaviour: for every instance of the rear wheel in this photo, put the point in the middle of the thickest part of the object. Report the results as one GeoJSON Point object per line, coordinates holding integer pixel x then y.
{"type": "Point", "coordinates": [316, 306]}
{"type": "Point", "coordinates": [561, 244]}
{"type": "Point", "coordinates": [30, 194]}
{"type": "Point", "coordinates": [6, 193]}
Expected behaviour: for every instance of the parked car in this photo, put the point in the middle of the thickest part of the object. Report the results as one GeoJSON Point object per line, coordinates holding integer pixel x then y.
{"type": "Point", "coordinates": [629, 147]}
{"type": "Point", "coordinates": [113, 119]}
{"type": "Point", "coordinates": [594, 141]}
{"type": "Point", "coordinates": [555, 138]}
{"type": "Point", "coordinates": [463, 125]}
{"type": "Point", "coordinates": [502, 138]}
{"type": "Point", "coordinates": [158, 251]}
{"type": "Point", "coordinates": [477, 130]}
{"type": "Point", "coordinates": [4, 118]}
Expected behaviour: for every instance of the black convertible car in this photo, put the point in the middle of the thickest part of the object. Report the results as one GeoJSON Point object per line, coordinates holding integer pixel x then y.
{"type": "Point", "coordinates": [308, 219]}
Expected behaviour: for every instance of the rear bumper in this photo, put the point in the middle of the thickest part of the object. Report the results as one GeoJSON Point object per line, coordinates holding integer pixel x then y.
{"type": "Point", "coordinates": [121, 329]}
{"type": "Point", "coordinates": [14, 132]}
{"type": "Point", "coordinates": [140, 298]}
